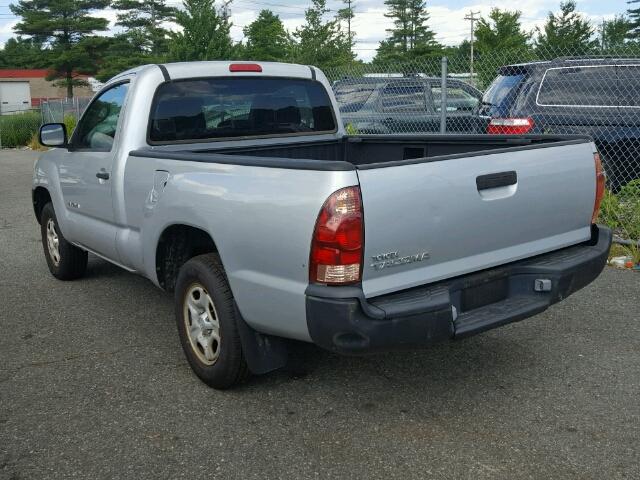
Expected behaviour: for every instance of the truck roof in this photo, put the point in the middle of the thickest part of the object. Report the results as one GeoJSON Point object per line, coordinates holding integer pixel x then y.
{"type": "Point", "coordinates": [179, 70]}
{"type": "Point", "coordinates": [567, 61]}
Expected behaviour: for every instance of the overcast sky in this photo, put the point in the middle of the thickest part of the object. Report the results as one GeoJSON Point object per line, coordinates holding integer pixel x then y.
{"type": "Point", "coordinates": [447, 16]}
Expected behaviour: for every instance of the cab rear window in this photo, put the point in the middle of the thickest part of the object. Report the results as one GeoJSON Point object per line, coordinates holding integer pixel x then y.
{"type": "Point", "coordinates": [218, 108]}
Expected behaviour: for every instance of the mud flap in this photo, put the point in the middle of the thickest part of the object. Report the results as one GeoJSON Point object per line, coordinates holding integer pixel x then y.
{"type": "Point", "coordinates": [263, 353]}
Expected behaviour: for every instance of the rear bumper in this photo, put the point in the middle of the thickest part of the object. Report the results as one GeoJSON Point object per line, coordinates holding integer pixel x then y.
{"type": "Point", "coordinates": [342, 320]}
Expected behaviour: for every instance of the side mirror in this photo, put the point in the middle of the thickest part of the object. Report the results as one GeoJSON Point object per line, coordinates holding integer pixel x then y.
{"type": "Point", "coordinates": [53, 135]}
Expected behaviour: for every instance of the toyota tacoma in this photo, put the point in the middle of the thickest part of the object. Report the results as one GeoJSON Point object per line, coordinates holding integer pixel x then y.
{"type": "Point", "coordinates": [234, 186]}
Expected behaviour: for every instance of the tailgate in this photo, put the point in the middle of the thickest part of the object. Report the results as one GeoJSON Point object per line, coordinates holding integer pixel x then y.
{"type": "Point", "coordinates": [429, 221]}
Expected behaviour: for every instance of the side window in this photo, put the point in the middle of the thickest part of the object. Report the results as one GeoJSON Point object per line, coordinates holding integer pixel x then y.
{"type": "Point", "coordinates": [402, 97]}
{"type": "Point", "coordinates": [97, 127]}
{"type": "Point", "coordinates": [458, 100]}
{"type": "Point", "coordinates": [579, 87]}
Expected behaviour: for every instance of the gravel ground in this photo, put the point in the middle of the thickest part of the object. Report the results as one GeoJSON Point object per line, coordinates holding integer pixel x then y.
{"type": "Point", "coordinates": [93, 384]}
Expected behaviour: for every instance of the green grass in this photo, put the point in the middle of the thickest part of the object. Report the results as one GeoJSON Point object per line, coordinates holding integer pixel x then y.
{"type": "Point", "coordinates": [18, 129]}
{"type": "Point", "coordinates": [69, 121]}
{"type": "Point", "coordinates": [621, 211]}
{"type": "Point", "coordinates": [610, 210]}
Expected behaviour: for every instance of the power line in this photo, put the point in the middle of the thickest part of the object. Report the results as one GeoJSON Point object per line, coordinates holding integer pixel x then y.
{"type": "Point", "coordinates": [248, 2]}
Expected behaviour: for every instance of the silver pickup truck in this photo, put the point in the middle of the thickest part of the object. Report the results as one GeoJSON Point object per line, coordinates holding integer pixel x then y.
{"type": "Point", "coordinates": [234, 186]}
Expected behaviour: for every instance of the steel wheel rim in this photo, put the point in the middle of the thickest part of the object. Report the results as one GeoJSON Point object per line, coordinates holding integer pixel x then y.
{"type": "Point", "coordinates": [53, 242]}
{"type": "Point", "coordinates": [201, 324]}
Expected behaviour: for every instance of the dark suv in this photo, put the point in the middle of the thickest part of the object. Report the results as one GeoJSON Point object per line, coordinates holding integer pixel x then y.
{"type": "Point", "coordinates": [595, 96]}
{"type": "Point", "coordinates": [378, 105]}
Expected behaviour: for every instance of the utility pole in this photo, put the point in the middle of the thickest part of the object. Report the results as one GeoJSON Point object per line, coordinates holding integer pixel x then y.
{"type": "Point", "coordinates": [154, 39]}
{"type": "Point", "coordinates": [225, 9]}
{"type": "Point", "coordinates": [471, 16]}
{"type": "Point", "coordinates": [349, 21]}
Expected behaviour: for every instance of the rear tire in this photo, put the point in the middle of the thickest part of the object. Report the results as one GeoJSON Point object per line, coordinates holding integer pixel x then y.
{"type": "Point", "coordinates": [65, 261]}
{"type": "Point", "coordinates": [206, 319]}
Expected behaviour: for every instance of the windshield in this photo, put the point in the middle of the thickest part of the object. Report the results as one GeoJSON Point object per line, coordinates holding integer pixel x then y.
{"type": "Point", "coordinates": [351, 97]}
{"type": "Point", "coordinates": [214, 108]}
{"type": "Point", "coordinates": [501, 92]}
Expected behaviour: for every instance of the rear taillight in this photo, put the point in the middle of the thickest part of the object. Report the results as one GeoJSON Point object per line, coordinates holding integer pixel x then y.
{"type": "Point", "coordinates": [509, 126]}
{"type": "Point", "coordinates": [601, 180]}
{"type": "Point", "coordinates": [338, 240]}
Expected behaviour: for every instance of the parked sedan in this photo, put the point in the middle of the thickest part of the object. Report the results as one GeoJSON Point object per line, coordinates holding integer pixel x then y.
{"type": "Point", "coordinates": [379, 105]}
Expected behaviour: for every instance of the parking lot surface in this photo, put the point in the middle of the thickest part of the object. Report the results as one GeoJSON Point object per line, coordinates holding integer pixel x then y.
{"type": "Point", "coordinates": [93, 384]}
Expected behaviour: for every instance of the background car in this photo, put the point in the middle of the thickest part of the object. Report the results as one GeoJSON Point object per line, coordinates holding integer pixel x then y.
{"type": "Point", "coordinates": [595, 96]}
{"type": "Point", "coordinates": [379, 105]}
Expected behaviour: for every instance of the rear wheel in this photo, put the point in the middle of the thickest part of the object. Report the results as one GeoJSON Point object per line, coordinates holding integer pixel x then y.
{"type": "Point", "coordinates": [206, 320]}
{"type": "Point", "coordinates": [65, 261]}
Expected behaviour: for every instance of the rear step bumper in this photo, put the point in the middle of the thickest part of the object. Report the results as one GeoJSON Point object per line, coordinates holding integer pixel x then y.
{"type": "Point", "coordinates": [342, 320]}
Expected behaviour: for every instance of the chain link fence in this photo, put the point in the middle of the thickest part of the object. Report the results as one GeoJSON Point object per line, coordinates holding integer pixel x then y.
{"type": "Point", "coordinates": [511, 92]}
{"type": "Point", "coordinates": [502, 92]}
{"type": "Point", "coordinates": [19, 127]}
{"type": "Point", "coordinates": [58, 109]}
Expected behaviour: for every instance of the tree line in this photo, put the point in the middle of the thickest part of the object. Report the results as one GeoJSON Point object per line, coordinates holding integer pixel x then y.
{"type": "Point", "coordinates": [67, 36]}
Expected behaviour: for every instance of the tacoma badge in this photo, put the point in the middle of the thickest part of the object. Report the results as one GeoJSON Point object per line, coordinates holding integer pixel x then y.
{"type": "Point", "coordinates": [393, 259]}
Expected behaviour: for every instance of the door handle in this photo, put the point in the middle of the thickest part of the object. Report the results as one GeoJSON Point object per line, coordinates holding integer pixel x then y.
{"type": "Point", "coordinates": [495, 180]}
{"type": "Point", "coordinates": [102, 175]}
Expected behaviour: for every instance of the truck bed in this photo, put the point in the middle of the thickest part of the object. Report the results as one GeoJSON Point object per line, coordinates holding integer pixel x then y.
{"type": "Point", "coordinates": [443, 206]}
{"type": "Point", "coordinates": [362, 152]}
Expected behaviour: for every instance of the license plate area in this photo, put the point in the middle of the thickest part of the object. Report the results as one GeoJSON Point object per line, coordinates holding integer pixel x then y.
{"type": "Point", "coordinates": [484, 294]}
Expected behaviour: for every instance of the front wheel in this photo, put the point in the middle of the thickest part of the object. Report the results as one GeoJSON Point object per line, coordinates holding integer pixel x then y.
{"type": "Point", "coordinates": [65, 261]}
{"type": "Point", "coordinates": [206, 320]}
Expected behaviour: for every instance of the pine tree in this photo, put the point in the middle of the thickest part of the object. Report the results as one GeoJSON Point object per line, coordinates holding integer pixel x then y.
{"type": "Point", "coordinates": [634, 21]}
{"type": "Point", "coordinates": [143, 21]}
{"type": "Point", "coordinates": [411, 37]}
{"type": "Point", "coordinates": [566, 33]}
{"type": "Point", "coordinates": [120, 54]}
{"type": "Point", "coordinates": [64, 25]}
{"type": "Point", "coordinates": [423, 39]}
{"type": "Point", "coordinates": [204, 35]}
{"type": "Point", "coordinates": [399, 35]}
{"type": "Point", "coordinates": [266, 38]}
{"type": "Point", "coordinates": [24, 53]}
